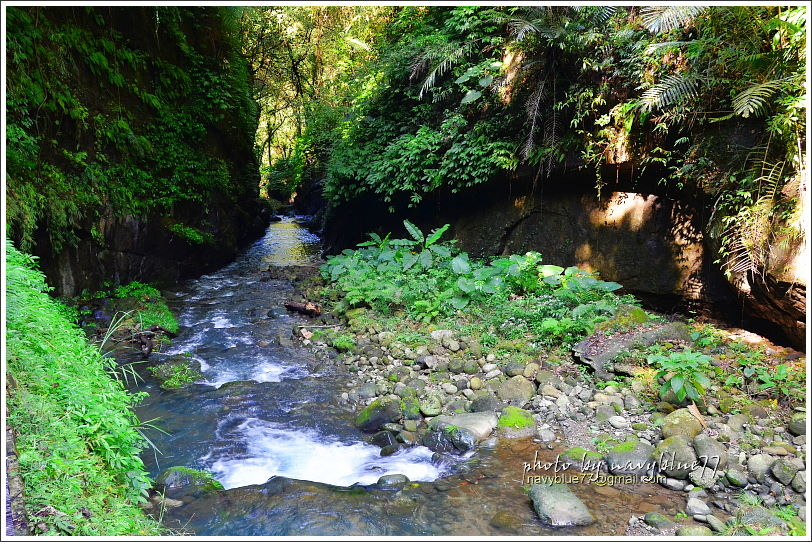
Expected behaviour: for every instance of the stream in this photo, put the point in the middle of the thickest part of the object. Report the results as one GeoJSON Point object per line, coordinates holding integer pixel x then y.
{"type": "Point", "coordinates": [267, 420]}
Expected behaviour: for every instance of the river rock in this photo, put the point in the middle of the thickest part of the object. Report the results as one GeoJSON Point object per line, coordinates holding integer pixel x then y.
{"type": "Point", "coordinates": [759, 465]}
{"type": "Point", "coordinates": [379, 412]}
{"type": "Point", "coordinates": [392, 481]}
{"type": "Point", "coordinates": [799, 482]}
{"type": "Point", "coordinates": [177, 372]}
{"type": "Point", "coordinates": [603, 413]}
{"type": "Point", "coordinates": [675, 457]}
{"type": "Point", "coordinates": [530, 370]}
{"type": "Point", "coordinates": [710, 452]}
{"type": "Point", "coordinates": [545, 376]}
{"type": "Point", "coordinates": [736, 477]}
{"type": "Point", "coordinates": [516, 423]}
{"type": "Point", "coordinates": [479, 424]}
{"type": "Point", "coordinates": [485, 402]}
{"type": "Point", "coordinates": [475, 383]}
{"type": "Point", "coordinates": [704, 477]}
{"type": "Point", "coordinates": [632, 457]}
{"type": "Point", "coordinates": [797, 424]}
{"type": "Point", "coordinates": [184, 477]}
{"type": "Point", "coordinates": [695, 530]}
{"type": "Point", "coordinates": [784, 470]}
{"type": "Point", "coordinates": [658, 521]}
{"type": "Point", "coordinates": [681, 422]}
{"type": "Point", "coordinates": [557, 505]}
{"type": "Point", "coordinates": [516, 391]}
{"type": "Point", "coordinates": [618, 422]}
{"type": "Point", "coordinates": [432, 405]}
{"type": "Point", "coordinates": [696, 507]}
{"type": "Point", "coordinates": [736, 422]}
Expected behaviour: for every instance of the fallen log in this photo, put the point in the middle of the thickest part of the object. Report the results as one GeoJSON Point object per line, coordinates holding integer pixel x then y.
{"type": "Point", "coordinates": [310, 309]}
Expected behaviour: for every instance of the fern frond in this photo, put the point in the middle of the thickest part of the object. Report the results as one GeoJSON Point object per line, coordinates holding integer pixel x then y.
{"type": "Point", "coordinates": [659, 19]}
{"type": "Point", "coordinates": [655, 47]}
{"type": "Point", "coordinates": [533, 108]}
{"type": "Point", "coordinates": [753, 100]}
{"type": "Point", "coordinates": [672, 89]}
{"type": "Point", "coordinates": [444, 59]}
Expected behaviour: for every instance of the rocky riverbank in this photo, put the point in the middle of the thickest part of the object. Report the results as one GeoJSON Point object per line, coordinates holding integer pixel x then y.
{"type": "Point", "coordinates": [739, 461]}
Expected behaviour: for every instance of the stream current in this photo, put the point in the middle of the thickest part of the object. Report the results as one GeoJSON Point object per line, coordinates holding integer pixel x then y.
{"type": "Point", "coordinates": [268, 422]}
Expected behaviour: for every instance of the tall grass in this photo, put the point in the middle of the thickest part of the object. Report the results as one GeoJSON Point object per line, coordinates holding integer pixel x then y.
{"type": "Point", "coordinates": [77, 437]}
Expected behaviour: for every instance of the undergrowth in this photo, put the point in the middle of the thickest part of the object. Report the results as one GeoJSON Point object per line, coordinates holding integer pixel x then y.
{"type": "Point", "coordinates": [77, 437]}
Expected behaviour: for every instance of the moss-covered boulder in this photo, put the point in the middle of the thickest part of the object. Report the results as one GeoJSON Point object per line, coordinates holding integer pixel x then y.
{"type": "Point", "coordinates": [516, 423]}
{"type": "Point", "coordinates": [676, 457]}
{"type": "Point", "coordinates": [176, 372]}
{"type": "Point", "coordinates": [630, 457]}
{"type": "Point", "coordinates": [186, 478]}
{"type": "Point", "coordinates": [379, 412]}
{"type": "Point", "coordinates": [681, 422]}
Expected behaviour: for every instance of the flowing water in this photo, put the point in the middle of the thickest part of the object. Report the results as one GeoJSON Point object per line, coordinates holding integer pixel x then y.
{"type": "Point", "coordinates": [268, 422]}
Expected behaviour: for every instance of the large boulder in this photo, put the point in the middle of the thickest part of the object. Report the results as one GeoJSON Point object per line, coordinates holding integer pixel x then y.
{"type": "Point", "coordinates": [479, 424]}
{"type": "Point", "coordinates": [632, 457]}
{"type": "Point", "coordinates": [186, 478]}
{"type": "Point", "coordinates": [710, 452]}
{"type": "Point", "coordinates": [516, 391]}
{"type": "Point", "coordinates": [681, 422]}
{"type": "Point", "coordinates": [675, 457]}
{"type": "Point", "coordinates": [378, 413]}
{"type": "Point", "coordinates": [557, 505]}
{"type": "Point", "coordinates": [597, 350]}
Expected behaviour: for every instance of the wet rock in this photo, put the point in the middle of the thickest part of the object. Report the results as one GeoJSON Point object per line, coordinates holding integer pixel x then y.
{"type": "Point", "coordinates": [658, 521]}
{"type": "Point", "coordinates": [630, 457]}
{"type": "Point", "coordinates": [479, 424]}
{"type": "Point", "coordinates": [379, 412]}
{"type": "Point", "coordinates": [557, 505]}
{"type": "Point", "coordinates": [675, 457]}
{"type": "Point", "coordinates": [681, 422]}
{"type": "Point", "coordinates": [383, 438]}
{"type": "Point", "coordinates": [505, 520]}
{"type": "Point", "coordinates": [516, 391]}
{"type": "Point", "coordinates": [784, 471]}
{"type": "Point", "coordinates": [696, 507]}
{"type": "Point", "coordinates": [367, 391]}
{"type": "Point", "coordinates": [177, 372]}
{"type": "Point", "coordinates": [184, 477]}
{"type": "Point", "coordinates": [516, 423]}
{"type": "Point", "coordinates": [392, 481]}
{"type": "Point", "coordinates": [582, 458]}
{"type": "Point", "coordinates": [694, 530]}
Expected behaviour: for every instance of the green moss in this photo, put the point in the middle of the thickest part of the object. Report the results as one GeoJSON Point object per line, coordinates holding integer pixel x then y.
{"type": "Point", "coordinates": [578, 454]}
{"type": "Point", "coordinates": [516, 418]}
{"type": "Point", "coordinates": [625, 447]}
{"type": "Point", "coordinates": [186, 477]}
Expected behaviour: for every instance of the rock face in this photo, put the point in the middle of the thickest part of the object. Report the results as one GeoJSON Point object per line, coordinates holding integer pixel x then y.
{"type": "Point", "coordinates": [558, 506]}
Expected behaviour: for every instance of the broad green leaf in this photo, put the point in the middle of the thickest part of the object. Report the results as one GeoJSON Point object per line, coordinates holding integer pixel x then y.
{"type": "Point", "coordinates": [677, 382]}
{"type": "Point", "coordinates": [459, 302]}
{"type": "Point", "coordinates": [462, 78]}
{"type": "Point", "coordinates": [436, 234]}
{"type": "Point", "coordinates": [485, 81]}
{"type": "Point", "coordinates": [466, 285]}
{"type": "Point", "coordinates": [425, 259]}
{"type": "Point", "coordinates": [470, 96]}
{"type": "Point", "coordinates": [691, 391]}
{"type": "Point", "coordinates": [409, 259]}
{"type": "Point", "coordinates": [460, 265]}
{"type": "Point", "coordinates": [414, 231]}
{"type": "Point", "coordinates": [550, 270]}
{"type": "Point", "coordinates": [440, 250]}
{"type": "Point", "coordinates": [702, 380]}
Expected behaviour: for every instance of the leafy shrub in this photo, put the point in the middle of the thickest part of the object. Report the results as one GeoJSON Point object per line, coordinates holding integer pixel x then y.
{"type": "Point", "coordinates": [686, 370]}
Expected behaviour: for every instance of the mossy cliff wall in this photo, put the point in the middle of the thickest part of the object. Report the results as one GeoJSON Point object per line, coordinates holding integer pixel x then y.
{"type": "Point", "coordinates": [130, 142]}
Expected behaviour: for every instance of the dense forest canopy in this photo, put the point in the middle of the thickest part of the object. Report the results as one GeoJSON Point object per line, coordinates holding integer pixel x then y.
{"type": "Point", "coordinates": [401, 102]}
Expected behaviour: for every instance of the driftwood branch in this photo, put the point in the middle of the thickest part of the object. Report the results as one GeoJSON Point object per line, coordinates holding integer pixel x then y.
{"type": "Point", "coordinates": [310, 309]}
